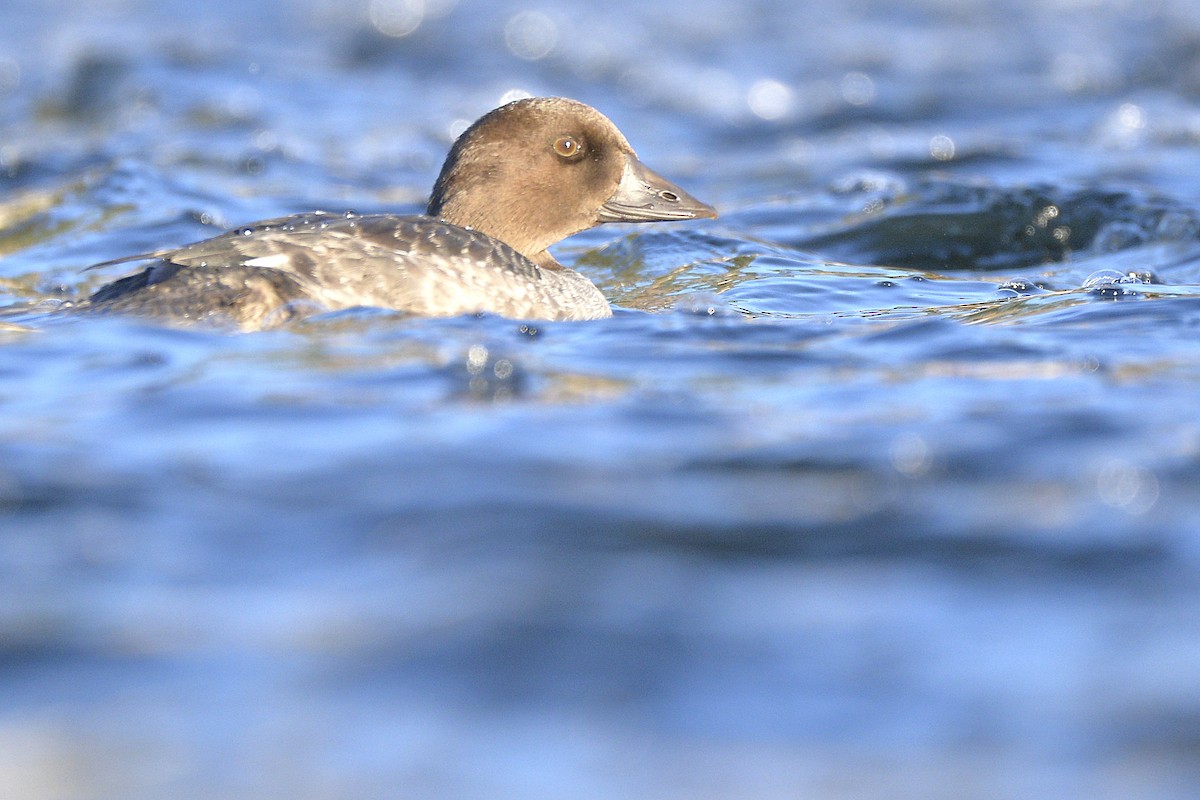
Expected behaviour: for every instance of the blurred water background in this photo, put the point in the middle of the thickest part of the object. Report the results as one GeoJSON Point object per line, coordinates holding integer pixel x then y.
{"type": "Point", "coordinates": [885, 484]}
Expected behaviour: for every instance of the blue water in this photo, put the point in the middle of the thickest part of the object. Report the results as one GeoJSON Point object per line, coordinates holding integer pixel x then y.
{"type": "Point", "coordinates": [885, 484]}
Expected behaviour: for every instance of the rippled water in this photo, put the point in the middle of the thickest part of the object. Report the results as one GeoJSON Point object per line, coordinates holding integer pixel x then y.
{"type": "Point", "coordinates": [884, 484]}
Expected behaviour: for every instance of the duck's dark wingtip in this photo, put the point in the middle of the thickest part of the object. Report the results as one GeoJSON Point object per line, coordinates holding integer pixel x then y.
{"type": "Point", "coordinates": [126, 260]}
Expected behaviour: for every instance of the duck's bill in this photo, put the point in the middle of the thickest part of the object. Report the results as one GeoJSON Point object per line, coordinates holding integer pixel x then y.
{"type": "Point", "coordinates": [645, 196]}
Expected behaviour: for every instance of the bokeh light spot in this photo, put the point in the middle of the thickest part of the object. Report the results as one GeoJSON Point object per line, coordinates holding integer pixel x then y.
{"type": "Point", "coordinates": [397, 18]}
{"type": "Point", "coordinates": [858, 89]}
{"type": "Point", "coordinates": [531, 35]}
{"type": "Point", "coordinates": [769, 99]}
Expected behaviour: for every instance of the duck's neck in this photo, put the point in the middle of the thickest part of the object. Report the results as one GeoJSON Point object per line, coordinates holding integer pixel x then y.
{"type": "Point", "coordinates": [516, 237]}
{"type": "Point", "coordinates": [546, 261]}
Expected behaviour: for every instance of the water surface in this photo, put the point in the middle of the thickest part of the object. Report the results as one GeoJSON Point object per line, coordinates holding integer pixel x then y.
{"type": "Point", "coordinates": [884, 484]}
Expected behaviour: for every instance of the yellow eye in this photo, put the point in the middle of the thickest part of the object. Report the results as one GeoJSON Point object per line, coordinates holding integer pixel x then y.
{"type": "Point", "coordinates": [568, 147]}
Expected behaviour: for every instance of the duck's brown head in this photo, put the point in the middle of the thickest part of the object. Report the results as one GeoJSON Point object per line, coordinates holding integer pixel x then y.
{"type": "Point", "coordinates": [535, 171]}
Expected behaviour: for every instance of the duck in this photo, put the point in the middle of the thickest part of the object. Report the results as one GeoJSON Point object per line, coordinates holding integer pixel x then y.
{"type": "Point", "coordinates": [523, 177]}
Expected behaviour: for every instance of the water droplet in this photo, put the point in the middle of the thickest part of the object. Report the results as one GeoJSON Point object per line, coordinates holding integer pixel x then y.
{"type": "Point", "coordinates": [1131, 488]}
{"type": "Point", "coordinates": [1102, 277]}
{"type": "Point", "coordinates": [941, 147]}
{"type": "Point", "coordinates": [266, 140]}
{"type": "Point", "coordinates": [1106, 283]}
{"type": "Point", "coordinates": [477, 356]}
{"type": "Point", "coordinates": [910, 455]}
{"type": "Point", "coordinates": [1020, 285]}
{"type": "Point", "coordinates": [1143, 276]}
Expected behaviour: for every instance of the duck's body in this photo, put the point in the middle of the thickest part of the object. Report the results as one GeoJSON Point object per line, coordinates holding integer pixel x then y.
{"type": "Point", "coordinates": [520, 179]}
{"type": "Point", "coordinates": [268, 273]}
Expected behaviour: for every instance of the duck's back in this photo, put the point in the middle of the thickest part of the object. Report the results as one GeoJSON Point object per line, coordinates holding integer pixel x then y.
{"type": "Point", "coordinates": [275, 270]}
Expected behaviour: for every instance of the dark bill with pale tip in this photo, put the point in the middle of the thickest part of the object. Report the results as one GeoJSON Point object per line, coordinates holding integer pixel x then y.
{"type": "Point", "coordinates": [645, 196]}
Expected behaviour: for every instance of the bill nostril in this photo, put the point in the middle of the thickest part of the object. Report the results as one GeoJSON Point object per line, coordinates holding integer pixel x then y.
{"type": "Point", "coordinates": [670, 197]}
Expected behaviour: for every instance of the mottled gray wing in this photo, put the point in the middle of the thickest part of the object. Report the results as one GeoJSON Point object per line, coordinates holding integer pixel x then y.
{"type": "Point", "coordinates": [243, 297]}
{"type": "Point", "coordinates": [414, 263]}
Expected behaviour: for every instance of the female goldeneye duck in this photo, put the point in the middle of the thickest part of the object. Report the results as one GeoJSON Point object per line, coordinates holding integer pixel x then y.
{"type": "Point", "coordinates": [523, 177]}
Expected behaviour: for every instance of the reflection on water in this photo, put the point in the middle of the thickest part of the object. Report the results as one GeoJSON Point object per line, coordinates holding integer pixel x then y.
{"type": "Point", "coordinates": [884, 484]}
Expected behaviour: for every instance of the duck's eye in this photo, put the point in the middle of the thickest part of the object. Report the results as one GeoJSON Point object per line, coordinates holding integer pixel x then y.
{"type": "Point", "coordinates": [567, 147]}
